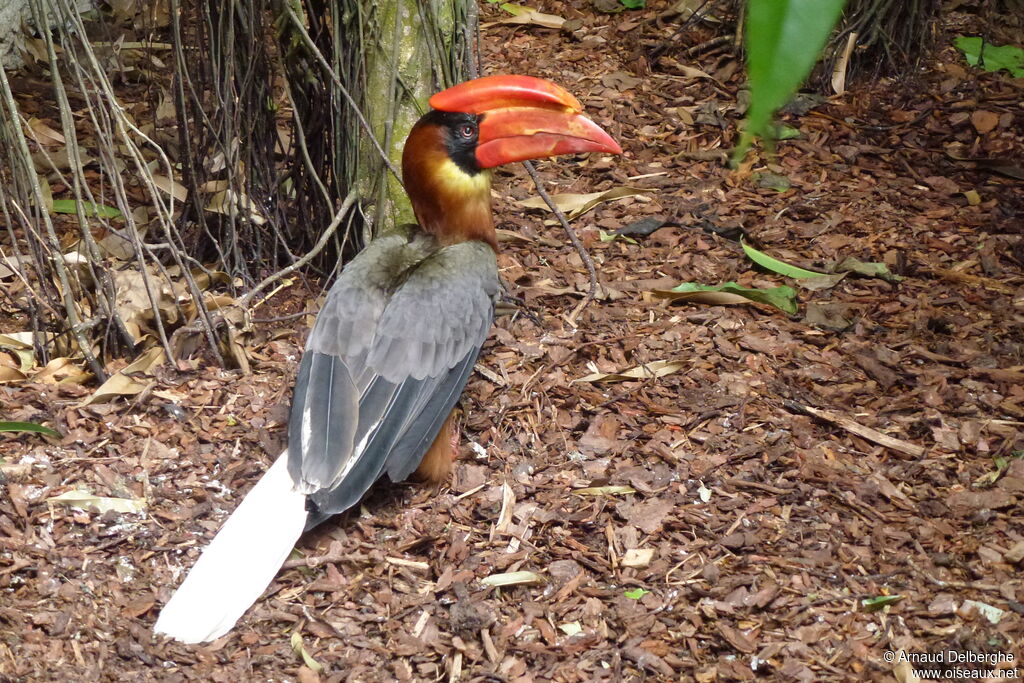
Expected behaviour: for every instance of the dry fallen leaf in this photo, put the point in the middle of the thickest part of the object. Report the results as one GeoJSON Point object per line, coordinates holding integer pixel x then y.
{"type": "Point", "coordinates": [658, 368]}
{"type": "Point", "coordinates": [575, 205]}
{"type": "Point", "coordinates": [637, 558]}
{"type": "Point", "coordinates": [512, 579]}
{"type": "Point", "coordinates": [984, 121]}
{"type": "Point", "coordinates": [527, 15]}
{"type": "Point", "coordinates": [62, 371]}
{"type": "Point", "coordinates": [171, 187]}
{"type": "Point", "coordinates": [122, 384]}
{"type": "Point", "coordinates": [99, 504]}
{"type": "Point", "coordinates": [605, 491]}
{"type": "Point", "coordinates": [43, 134]}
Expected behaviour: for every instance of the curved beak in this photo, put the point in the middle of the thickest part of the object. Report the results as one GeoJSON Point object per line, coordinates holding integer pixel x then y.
{"type": "Point", "coordinates": [524, 118]}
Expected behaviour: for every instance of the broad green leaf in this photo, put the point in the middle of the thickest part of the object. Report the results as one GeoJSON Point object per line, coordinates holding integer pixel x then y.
{"type": "Point", "coordinates": [635, 593]}
{"type": "Point", "coordinates": [782, 297]}
{"type": "Point", "coordinates": [634, 4]}
{"type": "Point", "coordinates": [90, 209]}
{"type": "Point", "coordinates": [775, 265]}
{"type": "Point", "coordinates": [783, 40]}
{"type": "Point", "coordinates": [28, 427]}
{"type": "Point", "coordinates": [875, 604]}
{"type": "Point", "coordinates": [992, 57]}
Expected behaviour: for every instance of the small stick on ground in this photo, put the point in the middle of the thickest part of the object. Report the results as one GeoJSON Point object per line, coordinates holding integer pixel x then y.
{"type": "Point", "coordinates": [587, 261]}
{"type": "Point", "coordinates": [860, 430]}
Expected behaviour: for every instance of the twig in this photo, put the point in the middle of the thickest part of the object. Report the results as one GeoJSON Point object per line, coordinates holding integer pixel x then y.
{"type": "Point", "coordinates": [663, 48]}
{"type": "Point", "coordinates": [587, 261]}
{"type": "Point", "coordinates": [858, 429]}
{"type": "Point", "coordinates": [243, 302]}
{"type": "Point", "coordinates": [70, 306]}
{"type": "Point", "coordinates": [344, 91]}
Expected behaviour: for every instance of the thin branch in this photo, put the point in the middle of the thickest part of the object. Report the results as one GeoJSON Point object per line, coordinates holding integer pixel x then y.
{"type": "Point", "coordinates": [339, 216]}
{"type": "Point", "coordinates": [584, 255]}
{"type": "Point", "coordinates": [344, 91]}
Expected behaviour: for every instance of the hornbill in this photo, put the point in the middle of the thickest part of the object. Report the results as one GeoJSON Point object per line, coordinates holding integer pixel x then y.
{"type": "Point", "coordinates": [394, 344]}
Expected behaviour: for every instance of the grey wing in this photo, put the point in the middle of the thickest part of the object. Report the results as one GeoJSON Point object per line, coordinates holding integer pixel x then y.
{"type": "Point", "coordinates": [383, 369]}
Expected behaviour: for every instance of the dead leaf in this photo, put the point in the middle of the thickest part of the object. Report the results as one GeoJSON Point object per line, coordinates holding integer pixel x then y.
{"type": "Point", "coordinates": [512, 579]}
{"type": "Point", "coordinates": [942, 184]}
{"type": "Point", "coordinates": [658, 368]}
{"type": "Point", "coordinates": [122, 383]}
{"type": "Point", "coordinates": [605, 491]}
{"type": "Point", "coordinates": [9, 374]}
{"type": "Point", "coordinates": [116, 385]}
{"type": "Point", "coordinates": [637, 558]}
{"type": "Point", "coordinates": [839, 70]}
{"type": "Point", "coordinates": [527, 15]}
{"type": "Point", "coordinates": [42, 133]}
{"type": "Point", "coordinates": [575, 205]}
{"type": "Point", "coordinates": [99, 504]}
{"type": "Point", "coordinates": [648, 516]}
{"type": "Point", "coordinates": [620, 80]}
{"type": "Point", "coordinates": [62, 371]}
{"type": "Point", "coordinates": [171, 187]}
{"type": "Point", "coordinates": [231, 203]}
{"type": "Point", "coordinates": [984, 121]}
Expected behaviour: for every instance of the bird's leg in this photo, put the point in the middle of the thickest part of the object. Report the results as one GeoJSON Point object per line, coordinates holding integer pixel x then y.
{"type": "Point", "coordinates": [437, 461]}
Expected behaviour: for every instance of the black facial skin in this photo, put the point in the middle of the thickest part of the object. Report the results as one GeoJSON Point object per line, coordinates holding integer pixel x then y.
{"type": "Point", "coordinates": [460, 137]}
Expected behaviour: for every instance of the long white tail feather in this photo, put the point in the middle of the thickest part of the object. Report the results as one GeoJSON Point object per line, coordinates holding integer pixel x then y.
{"type": "Point", "coordinates": [240, 562]}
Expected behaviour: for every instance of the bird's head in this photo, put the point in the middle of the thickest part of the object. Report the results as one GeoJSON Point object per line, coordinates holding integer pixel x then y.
{"type": "Point", "coordinates": [476, 126]}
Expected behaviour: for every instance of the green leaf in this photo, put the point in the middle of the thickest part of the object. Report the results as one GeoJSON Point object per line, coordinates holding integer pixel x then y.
{"type": "Point", "coordinates": [90, 209]}
{"type": "Point", "coordinates": [782, 297]}
{"type": "Point", "coordinates": [776, 266]}
{"type": "Point", "coordinates": [610, 237]}
{"type": "Point", "coordinates": [633, 4]}
{"type": "Point", "coordinates": [28, 427]}
{"type": "Point", "coordinates": [771, 181]}
{"type": "Point", "coordinates": [992, 477]}
{"type": "Point", "coordinates": [783, 41]}
{"type": "Point", "coordinates": [783, 132]}
{"type": "Point", "coordinates": [875, 604]}
{"type": "Point", "coordinates": [867, 269]}
{"type": "Point", "coordinates": [991, 57]}
{"type": "Point", "coordinates": [300, 649]}
{"type": "Point", "coordinates": [635, 593]}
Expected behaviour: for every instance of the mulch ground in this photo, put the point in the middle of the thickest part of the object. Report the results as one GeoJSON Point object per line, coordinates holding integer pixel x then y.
{"type": "Point", "coordinates": [788, 476]}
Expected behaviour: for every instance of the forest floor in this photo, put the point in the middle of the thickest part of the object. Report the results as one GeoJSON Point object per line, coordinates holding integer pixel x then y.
{"type": "Point", "coordinates": [798, 495]}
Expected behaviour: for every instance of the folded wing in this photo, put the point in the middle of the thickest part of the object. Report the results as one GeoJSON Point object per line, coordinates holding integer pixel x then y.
{"type": "Point", "coordinates": [385, 364]}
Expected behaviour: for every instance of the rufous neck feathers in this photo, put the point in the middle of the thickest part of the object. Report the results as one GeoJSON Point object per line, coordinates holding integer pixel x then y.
{"type": "Point", "coordinates": [450, 203]}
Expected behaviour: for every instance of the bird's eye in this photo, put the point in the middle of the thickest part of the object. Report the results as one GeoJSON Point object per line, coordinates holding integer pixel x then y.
{"type": "Point", "coordinates": [467, 130]}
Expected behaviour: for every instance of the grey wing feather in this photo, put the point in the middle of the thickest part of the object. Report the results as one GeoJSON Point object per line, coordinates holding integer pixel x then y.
{"type": "Point", "coordinates": [385, 364]}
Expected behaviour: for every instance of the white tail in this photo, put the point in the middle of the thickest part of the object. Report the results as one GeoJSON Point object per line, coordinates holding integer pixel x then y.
{"type": "Point", "coordinates": [240, 562]}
